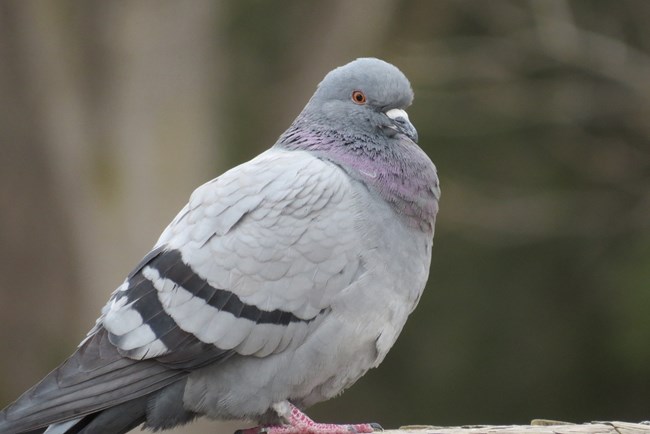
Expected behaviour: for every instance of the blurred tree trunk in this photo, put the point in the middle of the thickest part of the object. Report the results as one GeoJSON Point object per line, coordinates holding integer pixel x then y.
{"type": "Point", "coordinates": [128, 129]}
{"type": "Point", "coordinates": [39, 283]}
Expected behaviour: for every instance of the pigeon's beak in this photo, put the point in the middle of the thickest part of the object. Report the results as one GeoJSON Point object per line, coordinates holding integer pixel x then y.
{"type": "Point", "coordinates": [401, 123]}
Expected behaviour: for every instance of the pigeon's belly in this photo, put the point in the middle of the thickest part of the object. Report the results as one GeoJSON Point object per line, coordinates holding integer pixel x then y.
{"type": "Point", "coordinates": [370, 316]}
{"type": "Point", "coordinates": [354, 335]}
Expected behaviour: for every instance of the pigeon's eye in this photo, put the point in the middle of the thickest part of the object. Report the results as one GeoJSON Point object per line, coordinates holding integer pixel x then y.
{"type": "Point", "coordinates": [358, 97]}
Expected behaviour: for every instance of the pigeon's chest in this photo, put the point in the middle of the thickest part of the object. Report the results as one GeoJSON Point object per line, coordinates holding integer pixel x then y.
{"type": "Point", "coordinates": [398, 253]}
{"type": "Point", "coordinates": [369, 316]}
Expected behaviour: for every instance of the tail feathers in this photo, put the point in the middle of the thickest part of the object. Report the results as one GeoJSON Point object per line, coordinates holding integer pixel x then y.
{"type": "Point", "coordinates": [115, 420]}
{"type": "Point", "coordinates": [36, 431]}
{"type": "Point", "coordinates": [63, 427]}
{"type": "Point", "coordinates": [160, 410]}
{"type": "Point", "coordinates": [93, 379]}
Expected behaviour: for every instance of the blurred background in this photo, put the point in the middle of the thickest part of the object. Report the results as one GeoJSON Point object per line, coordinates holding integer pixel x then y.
{"type": "Point", "coordinates": [535, 112]}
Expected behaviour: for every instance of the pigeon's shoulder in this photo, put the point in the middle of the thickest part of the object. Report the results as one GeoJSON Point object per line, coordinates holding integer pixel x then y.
{"type": "Point", "coordinates": [248, 266]}
{"type": "Point", "coordinates": [275, 182]}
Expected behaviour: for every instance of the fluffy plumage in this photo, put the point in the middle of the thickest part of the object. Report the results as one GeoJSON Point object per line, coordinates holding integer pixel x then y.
{"type": "Point", "coordinates": [278, 285]}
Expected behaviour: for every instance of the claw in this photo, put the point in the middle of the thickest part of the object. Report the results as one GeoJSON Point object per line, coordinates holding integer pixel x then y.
{"type": "Point", "coordinates": [300, 423]}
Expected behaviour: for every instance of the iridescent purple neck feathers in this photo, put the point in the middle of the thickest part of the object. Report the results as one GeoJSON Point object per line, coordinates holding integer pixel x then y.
{"type": "Point", "coordinates": [399, 171]}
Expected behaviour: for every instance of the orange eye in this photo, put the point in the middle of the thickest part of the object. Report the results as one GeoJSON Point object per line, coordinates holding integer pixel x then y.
{"type": "Point", "coordinates": [358, 97]}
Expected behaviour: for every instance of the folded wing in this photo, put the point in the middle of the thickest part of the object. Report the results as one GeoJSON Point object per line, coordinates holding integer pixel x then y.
{"type": "Point", "coordinates": [250, 266]}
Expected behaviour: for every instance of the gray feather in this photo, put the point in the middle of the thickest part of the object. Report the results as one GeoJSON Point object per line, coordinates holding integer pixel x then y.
{"type": "Point", "coordinates": [118, 419]}
{"type": "Point", "coordinates": [165, 408]}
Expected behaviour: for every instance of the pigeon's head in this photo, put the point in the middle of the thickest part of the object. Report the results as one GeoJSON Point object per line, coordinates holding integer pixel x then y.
{"type": "Point", "coordinates": [365, 97]}
{"type": "Point", "coordinates": [357, 120]}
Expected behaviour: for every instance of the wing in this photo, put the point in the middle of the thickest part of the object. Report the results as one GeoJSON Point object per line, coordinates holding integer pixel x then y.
{"type": "Point", "coordinates": [249, 266]}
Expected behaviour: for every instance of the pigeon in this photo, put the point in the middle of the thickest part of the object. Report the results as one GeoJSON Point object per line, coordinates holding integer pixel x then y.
{"type": "Point", "coordinates": [278, 285]}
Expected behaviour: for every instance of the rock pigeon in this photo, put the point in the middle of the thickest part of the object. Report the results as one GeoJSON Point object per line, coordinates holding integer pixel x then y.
{"type": "Point", "coordinates": [277, 286]}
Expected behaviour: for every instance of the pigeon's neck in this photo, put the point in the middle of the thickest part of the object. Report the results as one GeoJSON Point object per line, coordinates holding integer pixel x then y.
{"type": "Point", "coordinates": [400, 172]}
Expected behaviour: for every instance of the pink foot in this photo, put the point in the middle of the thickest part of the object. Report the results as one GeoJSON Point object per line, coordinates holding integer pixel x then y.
{"type": "Point", "coordinates": [300, 423]}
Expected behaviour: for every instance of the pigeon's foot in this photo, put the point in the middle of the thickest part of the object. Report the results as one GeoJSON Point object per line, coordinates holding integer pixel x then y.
{"type": "Point", "coordinates": [300, 423]}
